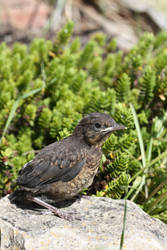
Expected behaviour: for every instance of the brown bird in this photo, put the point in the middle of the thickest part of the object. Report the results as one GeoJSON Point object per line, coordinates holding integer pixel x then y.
{"type": "Point", "coordinates": [62, 169]}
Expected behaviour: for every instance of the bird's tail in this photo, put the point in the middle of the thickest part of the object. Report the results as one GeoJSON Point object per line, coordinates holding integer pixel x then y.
{"type": "Point", "coordinates": [18, 196]}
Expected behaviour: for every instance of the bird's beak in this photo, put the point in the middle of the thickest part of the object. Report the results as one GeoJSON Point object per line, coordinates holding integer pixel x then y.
{"type": "Point", "coordinates": [114, 128]}
{"type": "Point", "coordinates": [119, 127]}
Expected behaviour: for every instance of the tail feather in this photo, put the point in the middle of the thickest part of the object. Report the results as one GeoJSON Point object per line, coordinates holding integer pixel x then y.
{"type": "Point", "coordinates": [23, 199]}
{"type": "Point", "coordinates": [19, 196]}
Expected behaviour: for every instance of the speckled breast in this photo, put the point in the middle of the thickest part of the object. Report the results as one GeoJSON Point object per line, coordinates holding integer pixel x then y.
{"type": "Point", "coordinates": [66, 190]}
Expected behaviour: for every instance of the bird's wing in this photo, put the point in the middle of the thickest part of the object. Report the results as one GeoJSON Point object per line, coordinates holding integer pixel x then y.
{"type": "Point", "coordinates": [51, 166]}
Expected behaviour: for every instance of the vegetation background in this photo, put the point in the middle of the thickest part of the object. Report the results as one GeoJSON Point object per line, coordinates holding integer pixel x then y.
{"type": "Point", "coordinates": [46, 86]}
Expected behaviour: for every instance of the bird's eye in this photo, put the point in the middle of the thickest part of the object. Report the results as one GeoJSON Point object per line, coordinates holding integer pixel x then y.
{"type": "Point", "coordinates": [97, 125]}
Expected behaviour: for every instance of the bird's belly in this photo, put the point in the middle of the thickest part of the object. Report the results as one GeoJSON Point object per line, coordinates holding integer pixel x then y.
{"type": "Point", "coordinates": [65, 190]}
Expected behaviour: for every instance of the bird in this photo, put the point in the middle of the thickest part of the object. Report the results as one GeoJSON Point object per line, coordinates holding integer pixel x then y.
{"type": "Point", "coordinates": [61, 170]}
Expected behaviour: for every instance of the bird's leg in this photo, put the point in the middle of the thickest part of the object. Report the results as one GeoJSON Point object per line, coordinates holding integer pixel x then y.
{"type": "Point", "coordinates": [53, 209]}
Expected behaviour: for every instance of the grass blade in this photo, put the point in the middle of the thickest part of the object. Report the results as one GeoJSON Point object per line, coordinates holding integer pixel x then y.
{"type": "Point", "coordinates": [10, 117]}
{"type": "Point", "coordinates": [15, 106]}
{"type": "Point", "coordinates": [141, 144]}
{"type": "Point", "coordinates": [163, 195]}
{"type": "Point", "coordinates": [124, 224]}
{"type": "Point", "coordinates": [148, 165]}
{"type": "Point", "coordinates": [32, 92]}
{"type": "Point", "coordinates": [16, 103]}
{"type": "Point", "coordinates": [142, 150]}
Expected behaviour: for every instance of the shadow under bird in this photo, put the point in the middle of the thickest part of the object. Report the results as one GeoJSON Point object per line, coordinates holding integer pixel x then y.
{"type": "Point", "coordinates": [64, 168]}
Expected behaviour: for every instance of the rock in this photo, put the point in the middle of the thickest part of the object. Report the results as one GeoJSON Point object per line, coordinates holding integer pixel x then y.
{"type": "Point", "coordinates": [100, 227]}
{"type": "Point", "coordinates": [24, 15]}
{"type": "Point", "coordinates": [157, 12]}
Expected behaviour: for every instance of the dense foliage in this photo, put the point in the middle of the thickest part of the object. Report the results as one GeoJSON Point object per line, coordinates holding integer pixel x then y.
{"type": "Point", "coordinates": [47, 87]}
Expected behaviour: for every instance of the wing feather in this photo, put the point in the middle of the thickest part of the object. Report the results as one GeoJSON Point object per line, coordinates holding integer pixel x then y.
{"type": "Point", "coordinates": [49, 166]}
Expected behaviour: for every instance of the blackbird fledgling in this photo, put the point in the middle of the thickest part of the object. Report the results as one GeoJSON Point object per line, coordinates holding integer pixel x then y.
{"type": "Point", "coordinates": [62, 169]}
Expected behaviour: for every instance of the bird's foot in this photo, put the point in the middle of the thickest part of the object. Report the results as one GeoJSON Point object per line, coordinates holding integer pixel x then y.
{"type": "Point", "coordinates": [66, 216]}
{"type": "Point", "coordinates": [63, 215]}
{"type": "Point", "coordinates": [55, 210]}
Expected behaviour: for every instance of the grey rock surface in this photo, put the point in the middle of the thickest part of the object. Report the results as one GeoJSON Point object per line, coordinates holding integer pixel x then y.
{"type": "Point", "coordinates": [100, 227]}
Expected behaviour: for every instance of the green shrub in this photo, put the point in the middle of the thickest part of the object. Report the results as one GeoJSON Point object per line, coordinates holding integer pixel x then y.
{"type": "Point", "coordinates": [46, 87]}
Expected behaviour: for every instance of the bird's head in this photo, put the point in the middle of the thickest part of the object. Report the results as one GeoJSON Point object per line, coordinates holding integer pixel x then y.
{"type": "Point", "coordinates": [95, 128]}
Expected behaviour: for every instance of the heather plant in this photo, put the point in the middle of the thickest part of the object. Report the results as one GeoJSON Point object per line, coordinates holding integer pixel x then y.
{"type": "Point", "coordinates": [46, 88]}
